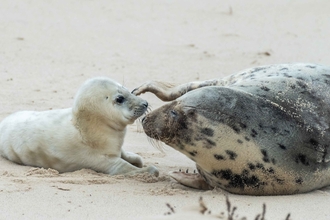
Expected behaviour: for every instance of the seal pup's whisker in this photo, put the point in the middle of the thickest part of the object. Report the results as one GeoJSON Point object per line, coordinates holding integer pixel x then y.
{"type": "Point", "coordinates": [139, 127]}
{"type": "Point", "coordinates": [138, 122]}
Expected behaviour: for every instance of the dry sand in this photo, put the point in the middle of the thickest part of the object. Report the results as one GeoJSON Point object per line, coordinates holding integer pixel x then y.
{"type": "Point", "coordinates": [49, 48]}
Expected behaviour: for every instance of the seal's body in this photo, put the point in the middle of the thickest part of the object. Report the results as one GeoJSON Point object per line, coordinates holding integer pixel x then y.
{"type": "Point", "coordinates": [89, 135]}
{"type": "Point", "coordinates": [262, 131]}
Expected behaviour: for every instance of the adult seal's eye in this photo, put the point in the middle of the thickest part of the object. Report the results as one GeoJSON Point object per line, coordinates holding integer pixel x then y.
{"type": "Point", "coordinates": [173, 113]}
{"type": "Point", "coordinates": [120, 99]}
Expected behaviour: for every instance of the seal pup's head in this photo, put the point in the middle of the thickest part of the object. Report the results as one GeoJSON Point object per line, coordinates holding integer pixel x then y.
{"type": "Point", "coordinates": [104, 101]}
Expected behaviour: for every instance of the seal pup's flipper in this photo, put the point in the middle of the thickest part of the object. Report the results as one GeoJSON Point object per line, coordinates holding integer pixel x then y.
{"type": "Point", "coordinates": [193, 180]}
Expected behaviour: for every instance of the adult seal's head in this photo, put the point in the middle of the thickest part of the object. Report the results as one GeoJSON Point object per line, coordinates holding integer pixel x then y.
{"type": "Point", "coordinates": [188, 119]}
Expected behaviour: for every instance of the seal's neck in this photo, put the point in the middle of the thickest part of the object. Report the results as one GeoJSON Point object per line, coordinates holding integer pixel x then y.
{"type": "Point", "coordinates": [96, 132]}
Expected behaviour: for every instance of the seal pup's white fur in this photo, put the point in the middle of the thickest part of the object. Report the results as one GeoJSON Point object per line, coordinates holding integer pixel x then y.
{"type": "Point", "coordinates": [89, 135]}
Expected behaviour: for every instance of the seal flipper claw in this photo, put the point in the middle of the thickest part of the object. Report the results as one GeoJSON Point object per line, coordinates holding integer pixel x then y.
{"type": "Point", "coordinates": [191, 180]}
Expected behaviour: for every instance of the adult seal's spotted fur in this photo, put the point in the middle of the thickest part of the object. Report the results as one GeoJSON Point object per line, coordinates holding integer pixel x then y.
{"type": "Point", "coordinates": [262, 131]}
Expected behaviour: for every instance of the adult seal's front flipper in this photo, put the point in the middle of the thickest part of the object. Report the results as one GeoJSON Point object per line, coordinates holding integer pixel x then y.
{"type": "Point", "coordinates": [193, 180]}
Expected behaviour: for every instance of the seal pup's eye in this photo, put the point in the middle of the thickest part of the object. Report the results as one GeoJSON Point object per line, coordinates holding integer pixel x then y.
{"type": "Point", "coordinates": [120, 99]}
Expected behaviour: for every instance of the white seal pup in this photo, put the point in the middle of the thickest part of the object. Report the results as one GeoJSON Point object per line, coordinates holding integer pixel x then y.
{"type": "Point", "coordinates": [262, 131]}
{"type": "Point", "coordinates": [89, 135]}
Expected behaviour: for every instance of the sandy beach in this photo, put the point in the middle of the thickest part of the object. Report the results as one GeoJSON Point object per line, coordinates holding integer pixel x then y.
{"type": "Point", "coordinates": [49, 48]}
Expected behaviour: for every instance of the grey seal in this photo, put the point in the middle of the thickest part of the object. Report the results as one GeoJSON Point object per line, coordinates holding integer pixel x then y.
{"type": "Point", "coordinates": [261, 131]}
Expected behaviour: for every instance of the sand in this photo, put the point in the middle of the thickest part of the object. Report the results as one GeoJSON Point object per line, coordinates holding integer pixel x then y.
{"type": "Point", "coordinates": [49, 48]}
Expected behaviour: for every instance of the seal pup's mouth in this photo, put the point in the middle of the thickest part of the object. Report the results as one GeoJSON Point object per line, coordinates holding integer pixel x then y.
{"type": "Point", "coordinates": [138, 112]}
{"type": "Point", "coordinates": [143, 116]}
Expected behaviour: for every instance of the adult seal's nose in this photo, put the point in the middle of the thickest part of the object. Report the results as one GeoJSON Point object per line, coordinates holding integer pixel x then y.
{"type": "Point", "coordinates": [145, 104]}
